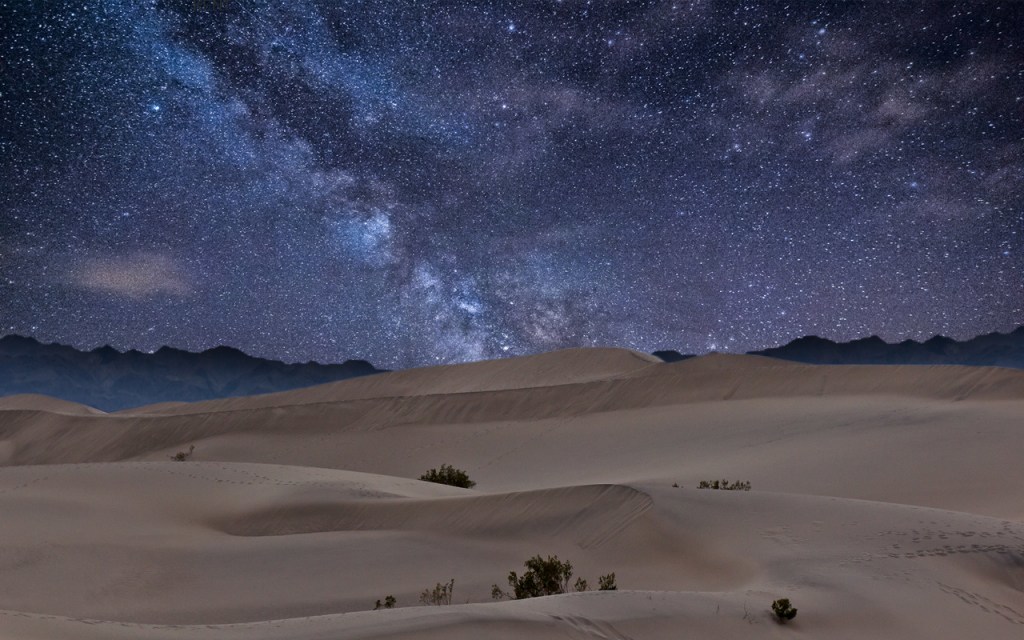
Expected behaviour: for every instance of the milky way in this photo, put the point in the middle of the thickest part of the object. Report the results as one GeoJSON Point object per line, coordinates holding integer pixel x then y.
{"type": "Point", "coordinates": [420, 182]}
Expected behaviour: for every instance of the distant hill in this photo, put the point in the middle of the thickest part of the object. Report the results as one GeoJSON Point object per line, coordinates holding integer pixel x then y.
{"type": "Point", "coordinates": [110, 380]}
{"type": "Point", "coordinates": [670, 355]}
{"type": "Point", "coordinates": [991, 349]}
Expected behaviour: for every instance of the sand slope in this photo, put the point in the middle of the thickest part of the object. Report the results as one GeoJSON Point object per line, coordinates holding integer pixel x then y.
{"type": "Point", "coordinates": [36, 402]}
{"type": "Point", "coordinates": [886, 503]}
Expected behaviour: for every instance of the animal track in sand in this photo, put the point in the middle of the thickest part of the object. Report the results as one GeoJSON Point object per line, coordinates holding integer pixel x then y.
{"type": "Point", "coordinates": [782, 535]}
{"type": "Point", "coordinates": [25, 484]}
{"type": "Point", "coordinates": [983, 603]}
{"type": "Point", "coordinates": [592, 629]}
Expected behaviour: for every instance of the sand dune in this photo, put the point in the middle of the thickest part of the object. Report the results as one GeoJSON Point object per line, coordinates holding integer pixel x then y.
{"type": "Point", "coordinates": [35, 402]}
{"type": "Point", "coordinates": [559, 368]}
{"type": "Point", "coordinates": [618, 378]}
{"type": "Point", "coordinates": [885, 503]}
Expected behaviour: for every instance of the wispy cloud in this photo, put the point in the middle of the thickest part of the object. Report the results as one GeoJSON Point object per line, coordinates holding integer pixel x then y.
{"type": "Point", "coordinates": [138, 276]}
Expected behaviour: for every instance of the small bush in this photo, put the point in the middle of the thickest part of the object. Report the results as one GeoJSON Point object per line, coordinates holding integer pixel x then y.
{"type": "Point", "coordinates": [449, 475]}
{"type": "Point", "coordinates": [783, 610]}
{"type": "Point", "coordinates": [440, 594]}
{"type": "Point", "coordinates": [182, 456]}
{"type": "Point", "coordinates": [541, 578]}
{"type": "Point", "coordinates": [546, 578]}
{"type": "Point", "coordinates": [389, 603]}
{"type": "Point", "coordinates": [724, 485]}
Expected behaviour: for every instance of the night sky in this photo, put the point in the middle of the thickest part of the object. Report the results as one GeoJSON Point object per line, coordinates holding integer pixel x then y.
{"type": "Point", "coordinates": [421, 182]}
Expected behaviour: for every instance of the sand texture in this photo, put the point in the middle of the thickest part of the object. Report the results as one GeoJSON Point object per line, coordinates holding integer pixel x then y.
{"type": "Point", "coordinates": [887, 502]}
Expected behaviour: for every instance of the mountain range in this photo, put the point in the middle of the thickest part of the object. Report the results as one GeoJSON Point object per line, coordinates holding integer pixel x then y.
{"type": "Point", "coordinates": [111, 380]}
{"type": "Point", "coordinates": [108, 379]}
{"type": "Point", "coordinates": [988, 350]}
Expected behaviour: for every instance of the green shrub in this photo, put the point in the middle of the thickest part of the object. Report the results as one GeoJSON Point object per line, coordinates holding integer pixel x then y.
{"type": "Point", "coordinates": [449, 475]}
{"type": "Point", "coordinates": [541, 578]}
{"type": "Point", "coordinates": [783, 610]}
{"type": "Point", "coordinates": [440, 594]}
{"type": "Point", "coordinates": [725, 485]}
{"type": "Point", "coordinates": [546, 578]}
{"type": "Point", "coordinates": [389, 603]}
{"type": "Point", "coordinates": [182, 456]}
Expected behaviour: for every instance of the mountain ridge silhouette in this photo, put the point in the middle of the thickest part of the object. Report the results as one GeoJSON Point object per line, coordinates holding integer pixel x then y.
{"type": "Point", "coordinates": [111, 380]}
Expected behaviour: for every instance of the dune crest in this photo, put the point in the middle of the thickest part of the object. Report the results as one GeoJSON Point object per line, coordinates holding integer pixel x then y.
{"type": "Point", "coordinates": [37, 402]}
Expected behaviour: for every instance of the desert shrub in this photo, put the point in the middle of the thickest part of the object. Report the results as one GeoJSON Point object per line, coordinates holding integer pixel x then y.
{"type": "Point", "coordinates": [725, 485]}
{"type": "Point", "coordinates": [546, 578]}
{"type": "Point", "coordinates": [541, 578]}
{"type": "Point", "coordinates": [440, 594]}
{"type": "Point", "coordinates": [389, 603]}
{"type": "Point", "coordinates": [449, 475]}
{"type": "Point", "coordinates": [182, 456]}
{"type": "Point", "coordinates": [783, 610]}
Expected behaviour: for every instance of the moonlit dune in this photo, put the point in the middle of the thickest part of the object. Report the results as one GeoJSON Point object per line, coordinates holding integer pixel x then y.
{"type": "Point", "coordinates": [886, 503]}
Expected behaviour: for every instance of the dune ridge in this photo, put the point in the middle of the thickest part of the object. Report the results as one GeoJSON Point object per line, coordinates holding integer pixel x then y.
{"type": "Point", "coordinates": [37, 402]}
{"type": "Point", "coordinates": [587, 515]}
{"type": "Point", "coordinates": [705, 378]}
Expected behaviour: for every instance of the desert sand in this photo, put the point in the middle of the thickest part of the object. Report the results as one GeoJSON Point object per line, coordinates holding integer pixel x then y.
{"type": "Point", "coordinates": [887, 502]}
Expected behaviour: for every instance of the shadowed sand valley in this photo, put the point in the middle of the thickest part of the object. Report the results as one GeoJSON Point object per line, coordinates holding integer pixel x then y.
{"type": "Point", "coordinates": [886, 502]}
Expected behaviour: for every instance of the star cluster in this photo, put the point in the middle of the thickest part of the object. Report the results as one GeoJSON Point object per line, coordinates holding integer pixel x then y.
{"type": "Point", "coordinates": [437, 181]}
